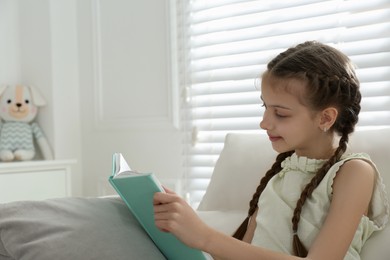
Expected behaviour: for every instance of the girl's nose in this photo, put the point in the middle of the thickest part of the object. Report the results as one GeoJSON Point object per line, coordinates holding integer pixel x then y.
{"type": "Point", "coordinates": [264, 123]}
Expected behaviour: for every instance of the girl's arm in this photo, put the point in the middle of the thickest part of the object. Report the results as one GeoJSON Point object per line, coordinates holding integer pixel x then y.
{"type": "Point", "coordinates": [174, 215]}
{"type": "Point", "coordinates": [352, 190]}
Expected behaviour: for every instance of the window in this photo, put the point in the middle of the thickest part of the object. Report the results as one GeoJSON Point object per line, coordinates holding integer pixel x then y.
{"type": "Point", "coordinates": [224, 45]}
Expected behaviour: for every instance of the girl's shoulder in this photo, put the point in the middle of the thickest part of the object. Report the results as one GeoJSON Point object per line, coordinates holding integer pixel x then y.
{"type": "Point", "coordinates": [354, 161]}
{"type": "Point", "coordinates": [379, 206]}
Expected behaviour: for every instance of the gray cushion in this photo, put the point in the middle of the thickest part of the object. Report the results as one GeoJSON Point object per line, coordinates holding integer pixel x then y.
{"type": "Point", "coordinates": [72, 228]}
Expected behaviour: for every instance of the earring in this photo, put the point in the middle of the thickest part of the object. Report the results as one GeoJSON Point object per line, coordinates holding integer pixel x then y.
{"type": "Point", "coordinates": [325, 129]}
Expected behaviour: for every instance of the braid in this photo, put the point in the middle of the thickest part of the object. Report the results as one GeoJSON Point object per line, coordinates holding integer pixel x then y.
{"type": "Point", "coordinates": [276, 167]}
{"type": "Point", "coordinates": [299, 249]}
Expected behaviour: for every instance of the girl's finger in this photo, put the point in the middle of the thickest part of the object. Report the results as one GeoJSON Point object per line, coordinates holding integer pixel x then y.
{"type": "Point", "coordinates": [163, 215]}
{"type": "Point", "coordinates": [163, 198]}
{"type": "Point", "coordinates": [158, 208]}
{"type": "Point", "coordinates": [162, 225]}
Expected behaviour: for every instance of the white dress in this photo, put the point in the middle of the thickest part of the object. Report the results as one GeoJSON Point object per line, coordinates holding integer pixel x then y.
{"type": "Point", "coordinates": [277, 203]}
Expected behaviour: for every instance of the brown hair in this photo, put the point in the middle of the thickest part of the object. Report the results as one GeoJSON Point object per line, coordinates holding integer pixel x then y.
{"type": "Point", "coordinates": [330, 81]}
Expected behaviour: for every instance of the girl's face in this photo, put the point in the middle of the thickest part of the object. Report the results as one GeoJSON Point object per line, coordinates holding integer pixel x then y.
{"type": "Point", "coordinates": [291, 125]}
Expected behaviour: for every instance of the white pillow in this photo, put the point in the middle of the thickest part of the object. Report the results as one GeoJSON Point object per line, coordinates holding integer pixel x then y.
{"type": "Point", "coordinates": [243, 161]}
{"type": "Point", "coordinates": [223, 221]}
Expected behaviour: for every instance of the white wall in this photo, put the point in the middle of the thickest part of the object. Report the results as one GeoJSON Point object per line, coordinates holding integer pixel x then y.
{"type": "Point", "coordinates": [104, 68]}
{"type": "Point", "coordinates": [127, 94]}
{"type": "Point", "coordinates": [9, 45]}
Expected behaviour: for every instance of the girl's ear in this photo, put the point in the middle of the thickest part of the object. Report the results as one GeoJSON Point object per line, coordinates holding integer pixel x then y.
{"type": "Point", "coordinates": [327, 118]}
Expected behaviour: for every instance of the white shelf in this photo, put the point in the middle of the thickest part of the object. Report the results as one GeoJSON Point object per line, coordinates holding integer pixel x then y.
{"type": "Point", "coordinates": [35, 180]}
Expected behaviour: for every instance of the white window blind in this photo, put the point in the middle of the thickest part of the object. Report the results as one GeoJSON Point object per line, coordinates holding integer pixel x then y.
{"type": "Point", "coordinates": [224, 46]}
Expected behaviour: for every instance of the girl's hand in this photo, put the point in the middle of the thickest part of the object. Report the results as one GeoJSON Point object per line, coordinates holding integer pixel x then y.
{"type": "Point", "coordinates": [172, 214]}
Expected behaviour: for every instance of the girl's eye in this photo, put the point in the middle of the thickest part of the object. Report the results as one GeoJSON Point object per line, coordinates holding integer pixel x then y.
{"type": "Point", "coordinates": [280, 115]}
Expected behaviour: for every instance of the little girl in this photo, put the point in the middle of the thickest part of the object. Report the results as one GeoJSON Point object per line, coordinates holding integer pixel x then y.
{"type": "Point", "coordinates": [316, 201]}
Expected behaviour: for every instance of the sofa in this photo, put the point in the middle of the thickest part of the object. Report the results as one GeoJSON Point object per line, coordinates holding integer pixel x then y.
{"type": "Point", "coordinates": [102, 228]}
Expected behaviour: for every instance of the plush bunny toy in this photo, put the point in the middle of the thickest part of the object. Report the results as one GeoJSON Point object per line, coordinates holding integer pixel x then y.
{"type": "Point", "coordinates": [18, 108]}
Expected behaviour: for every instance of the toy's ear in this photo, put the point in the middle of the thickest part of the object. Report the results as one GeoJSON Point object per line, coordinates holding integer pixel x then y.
{"type": "Point", "coordinates": [3, 88]}
{"type": "Point", "coordinates": [37, 97]}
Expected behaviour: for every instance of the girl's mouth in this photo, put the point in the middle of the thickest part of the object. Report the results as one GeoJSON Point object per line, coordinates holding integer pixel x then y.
{"type": "Point", "coordinates": [274, 138]}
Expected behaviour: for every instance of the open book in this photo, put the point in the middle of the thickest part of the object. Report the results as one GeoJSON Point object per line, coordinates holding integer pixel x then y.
{"type": "Point", "coordinates": [137, 190]}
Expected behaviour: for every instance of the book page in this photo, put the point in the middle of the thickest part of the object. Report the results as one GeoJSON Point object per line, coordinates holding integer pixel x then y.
{"type": "Point", "coordinates": [123, 166]}
{"type": "Point", "coordinates": [120, 166]}
{"type": "Point", "coordinates": [122, 169]}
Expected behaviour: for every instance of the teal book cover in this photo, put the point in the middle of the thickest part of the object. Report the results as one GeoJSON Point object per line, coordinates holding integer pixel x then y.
{"type": "Point", "coordinates": [137, 190]}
